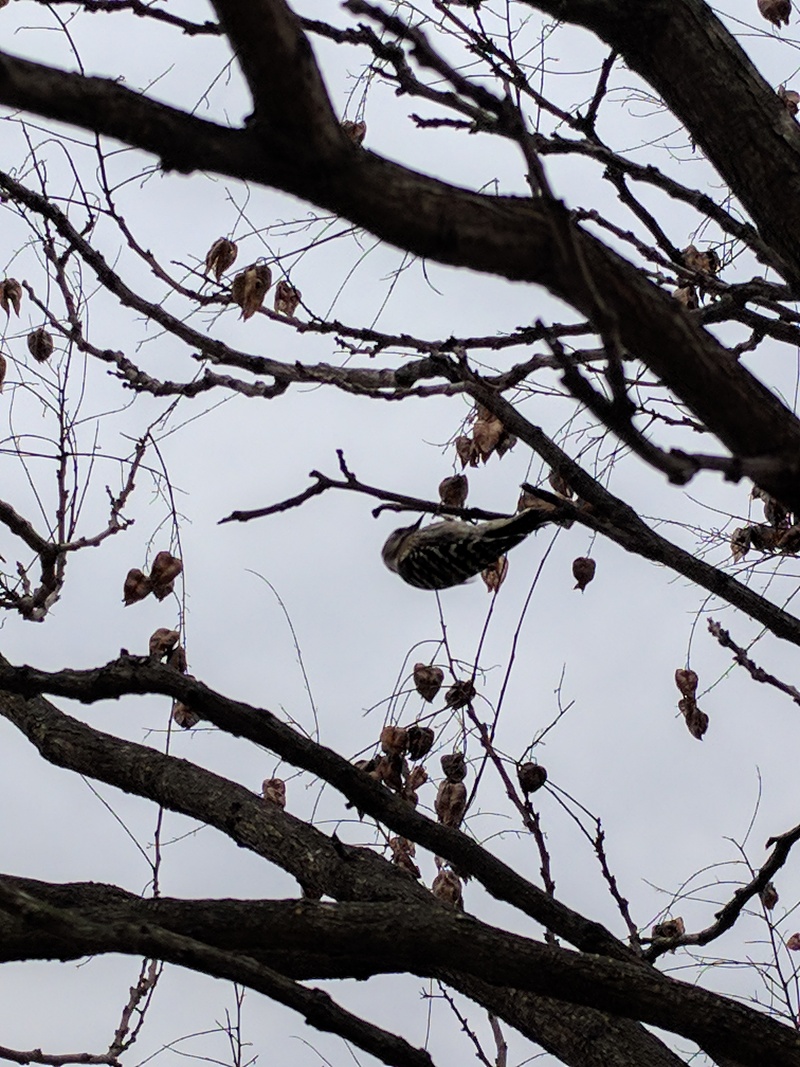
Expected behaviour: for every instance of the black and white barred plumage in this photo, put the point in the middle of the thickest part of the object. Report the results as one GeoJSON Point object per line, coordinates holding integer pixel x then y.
{"type": "Point", "coordinates": [448, 553]}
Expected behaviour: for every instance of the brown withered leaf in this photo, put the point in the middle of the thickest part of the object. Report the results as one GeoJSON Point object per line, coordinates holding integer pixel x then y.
{"type": "Point", "coordinates": [184, 716]}
{"type": "Point", "coordinates": [686, 681]}
{"type": "Point", "coordinates": [460, 693]}
{"type": "Point", "coordinates": [494, 575]}
{"type": "Point", "coordinates": [274, 790]}
{"type": "Point", "coordinates": [3, 369]}
{"type": "Point", "coordinates": [389, 770]}
{"type": "Point", "coordinates": [583, 570]}
{"type": "Point", "coordinates": [769, 896]}
{"type": "Point", "coordinates": [287, 298]}
{"type": "Point", "coordinates": [486, 435]}
{"type": "Point", "coordinates": [427, 680]}
{"type": "Point", "coordinates": [137, 586]}
{"type": "Point", "coordinates": [776, 11]}
{"type": "Point", "coordinates": [532, 776]}
{"type": "Point", "coordinates": [454, 766]}
{"type": "Point", "coordinates": [447, 888]}
{"type": "Point", "coordinates": [394, 740]}
{"type": "Point", "coordinates": [451, 803]}
{"type": "Point", "coordinates": [250, 287]}
{"type": "Point", "coordinates": [10, 295]}
{"type": "Point", "coordinates": [696, 720]}
{"type": "Point", "coordinates": [687, 295]}
{"type": "Point", "coordinates": [740, 543]}
{"type": "Point", "coordinates": [467, 452]}
{"type": "Point", "coordinates": [453, 491]}
{"type": "Point", "coordinates": [793, 944]}
{"type": "Point", "coordinates": [162, 641]}
{"type": "Point", "coordinates": [356, 131]}
{"type": "Point", "coordinates": [40, 344]}
{"type": "Point", "coordinates": [161, 592]}
{"type": "Point", "coordinates": [791, 99]}
{"type": "Point", "coordinates": [403, 852]}
{"type": "Point", "coordinates": [417, 776]}
{"type": "Point", "coordinates": [165, 569]}
{"type": "Point", "coordinates": [560, 485]}
{"type": "Point", "coordinates": [420, 741]}
{"type": "Point", "coordinates": [220, 256]}
{"type": "Point", "coordinates": [177, 659]}
{"type": "Point", "coordinates": [669, 929]}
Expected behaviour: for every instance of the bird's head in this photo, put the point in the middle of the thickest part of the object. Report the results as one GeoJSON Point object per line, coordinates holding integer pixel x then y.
{"type": "Point", "coordinates": [394, 544]}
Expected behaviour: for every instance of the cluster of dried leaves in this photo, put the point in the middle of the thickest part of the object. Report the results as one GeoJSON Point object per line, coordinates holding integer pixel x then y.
{"type": "Point", "coordinates": [160, 581]}
{"type": "Point", "coordinates": [781, 533]}
{"type": "Point", "coordinates": [164, 644]}
{"type": "Point", "coordinates": [488, 436]}
{"type": "Point", "coordinates": [696, 720]}
{"type": "Point", "coordinates": [250, 286]}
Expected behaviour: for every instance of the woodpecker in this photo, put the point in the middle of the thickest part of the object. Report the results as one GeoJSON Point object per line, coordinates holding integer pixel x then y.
{"type": "Point", "coordinates": [448, 553]}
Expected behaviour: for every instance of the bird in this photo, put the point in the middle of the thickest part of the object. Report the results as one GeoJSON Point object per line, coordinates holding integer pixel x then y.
{"type": "Point", "coordinates": [448, 553]}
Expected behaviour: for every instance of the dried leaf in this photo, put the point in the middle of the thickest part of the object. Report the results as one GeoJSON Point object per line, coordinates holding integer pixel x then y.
{"type": "Point", "coordinates": [740, 543]}
{"type": "Point", "coordinates": [696, 720]}
{"type": "Point", "coordinates": [3, 369]}
{"type": "Point", "coordinates": [177, 659]}
{"type": "Point", "coordinates": [451, 803]}
{"type": "Point", "coordinates": [775, 11]}
{"type": "Point", "coordinates": [161, 592]}
{"type": "Point", "coordinates": [532, 776]}
{"type": "Point", "coordinates": [162, 641]}
{"type": "Point", "coordinates": [454, 766]}
{"type": "Point", "coordinates": [460, 693]}
{"type": "Point", "coordinates": [486, 434]}
{"type": "Point", "coordinates": [220, 256]}
{"type": "Point", "coordinates": [394, 740]}
{"type": "Point", "coordinates": [40, 344]}
{"type": "Point", "coordinates": [389, 770]}
{"type": "Point", "coordinates": [184, 716]}
{"type": "Point", "coordinates": [494, 575]}
{"type": "Point", "coordinates": [165, 569]}
{"type": "Point", "coordinates": [137, 586]}
{"type": "Point", "coordinates": [287, 298]}
{"type": "Point", "coordinates": [10, 295]}
{"type": "Point", "coordinates": [417, 776]}
{"type": "Point", "coordinates": [687, 295]}
{"type": "Point", "coordinates": [250, 287]}
{"type": "Point", "coordinates": [669, 930]}
{"type": "Point", "coordinates": [706, 262]}
{"type": "Point", "coordinates": [583, 570]}
{"type": "Point", "coordinates": [453, 491]}
{"type": "Point", "coordinates": [686, 681]}
{"type": "Point", "coordinates": [274, 790]}
{"type": "Point", "coordinates": [356, 131]}
{"type": "Point", "coordinates": [403, 852]}
{"type": "Point", "coordinates": [791, 99]}
{"type": "Point", "coordinates": [467, 452]}
{"type": "Point", "coordinates": [769, 896]}
{"type": "Point", "coordinates": [420, 741]}
{"type": "Point", "coordinates": [428, 680]}
{"type": "Point", "coordinates": [793, 944]}
{"type": "Point", "coordinates": [447, 888]}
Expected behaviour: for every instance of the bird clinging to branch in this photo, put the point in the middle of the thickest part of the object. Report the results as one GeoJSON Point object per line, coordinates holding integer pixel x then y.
{"type": "Point", "coordinates": [448, 553]}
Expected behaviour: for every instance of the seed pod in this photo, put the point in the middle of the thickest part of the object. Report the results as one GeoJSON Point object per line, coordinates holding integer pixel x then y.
{"type": "Point", "coordinates": [696, 720]}
{"type": "Point", "coordinates": [583, 570]}
{"type": "Point", "coordinates": [428, 680]}
{"type": "Point", "coordinates": [250, 287]}
{"type": "Point", "coordinates": [10, 295]}
{"type": "Point", "coordinates": [467, 452]}
{"type": "Point", "coordinates": [740, 543]}
{"type": "Point", "coordinates": [451, 803]}
{"type": "Point", "coordinates": [420, 741]}
{"type": "Point", "coordinates": [3, 369]}
{"type": "Point", "coordinates": [669, 930]}
{"type": "Point", "coordinates": [356, 131]}
{"type": "Point", "coordinates": [460, 693]}
{"type": "Point", "coordinates": [137, 586]}
{"type": "Point", "coordinates": [453, 490]}
{"type": "Point", "coordinates": [454, 766]}
{"type": "Point", "coordinates": [184, 716]}
{"type": "Point", "coordinates": [706, 262]}
{"type": "Point", "coordinates": [769, 896]}
{"type": "Point", "coordinates": [161, 592]}
{"type": "Point", "coordinates": [389, 770]}
{"type": "Point", "coordinates": [177, 659]}
{"type": "Point", "coordinates": [40, 344]}
{"type": "Point", "coordinates": [793, 944]}
{"type": "Point", "coordinates": [274, 790]}
{"type": "Point", "coordinates": [532, 776]}
{"type": "Point", "coordinates": [162, 641]}
{"type": "Point", "coordinates": [220, 256]}
{"type": "Point", "coordinates": [686, 681]}
{"type": "Point", "coordinates": [417, 776]}
{"type": "Point", "coordinates": [394, 740]}
{"type": "Point", "coordinates": [447, 887]}
{"type": "Point", "coordinates": [776, 11]}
